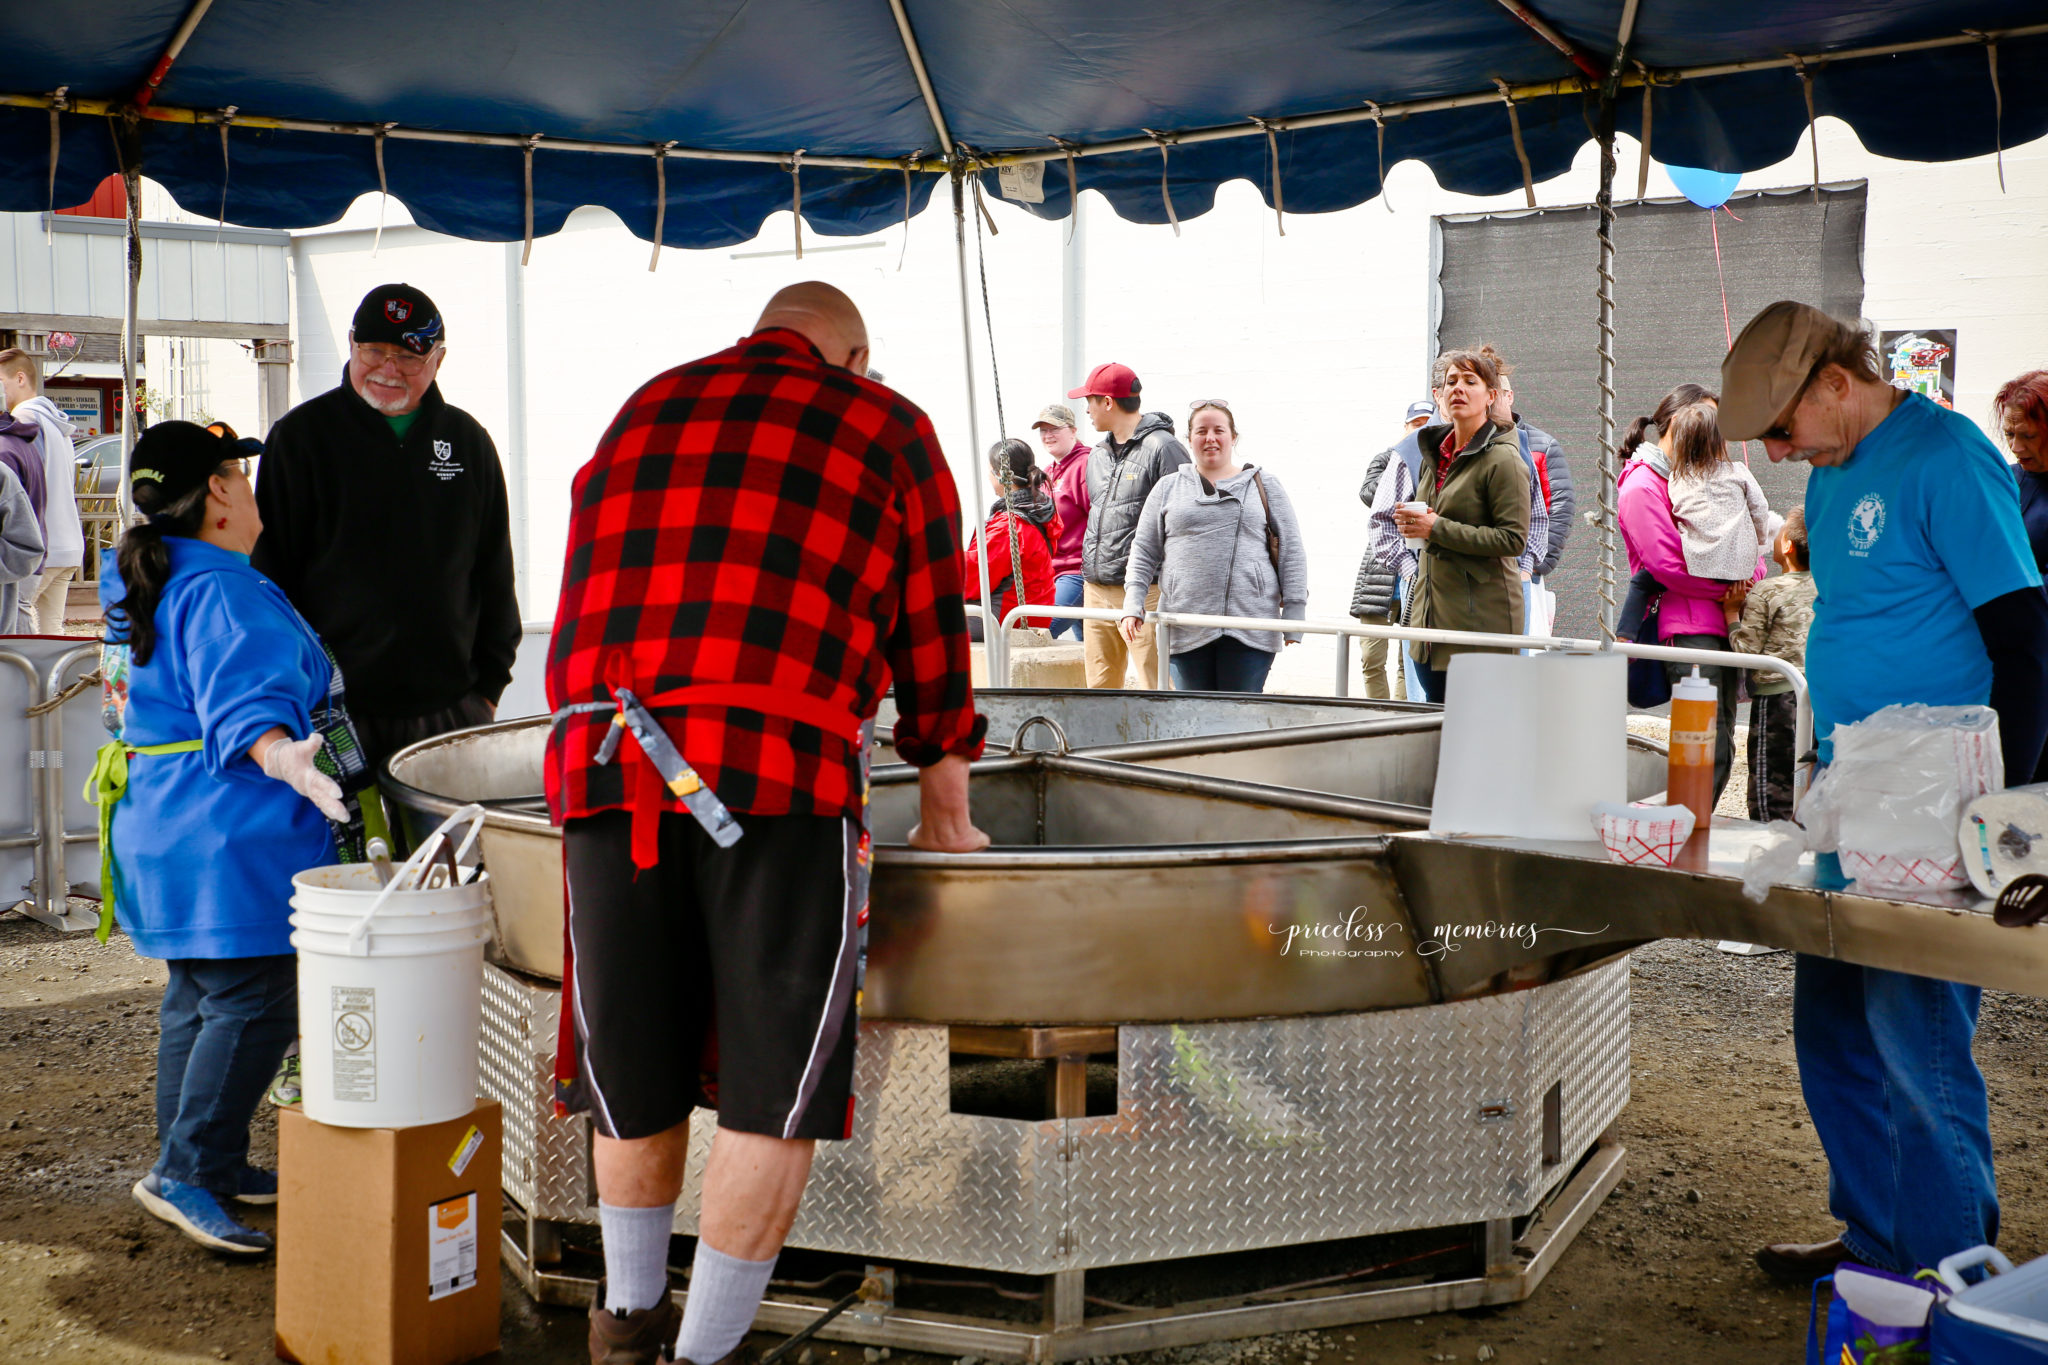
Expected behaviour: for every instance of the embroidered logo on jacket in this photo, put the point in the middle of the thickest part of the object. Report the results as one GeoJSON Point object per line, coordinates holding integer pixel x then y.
{"type": "Point", "coordinates": [444, 464]}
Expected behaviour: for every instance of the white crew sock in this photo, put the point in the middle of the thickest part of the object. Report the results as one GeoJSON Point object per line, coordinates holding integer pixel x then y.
{"type": "Point", "coordinates": [635, 1255]}
{"type": "Point", "coordinates": [725, 1293]}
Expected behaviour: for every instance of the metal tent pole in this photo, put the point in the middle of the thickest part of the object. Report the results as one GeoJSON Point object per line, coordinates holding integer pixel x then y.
{"type": "Point", "coordinates": [991, 627]}
{"type": "Point", "coordinates": [131, 183]}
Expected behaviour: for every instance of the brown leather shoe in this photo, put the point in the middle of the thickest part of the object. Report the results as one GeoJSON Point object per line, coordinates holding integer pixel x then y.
{"type": "Point", "coordinates": [646, 1336]}
{"type": "Point", "coordinates": [1801, 1262]}
{"type": "Point", "coordinates": [742, 1354]}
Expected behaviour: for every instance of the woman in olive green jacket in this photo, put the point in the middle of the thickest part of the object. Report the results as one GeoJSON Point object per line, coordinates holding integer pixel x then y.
{"type": "Point", "coordinates": [1475, 518]}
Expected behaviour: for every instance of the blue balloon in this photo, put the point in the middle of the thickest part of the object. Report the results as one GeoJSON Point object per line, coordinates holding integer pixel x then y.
{"type": "Point", "coordinates": [1708, 189]}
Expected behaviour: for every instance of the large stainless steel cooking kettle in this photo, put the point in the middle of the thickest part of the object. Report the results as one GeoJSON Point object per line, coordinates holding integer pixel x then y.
{"type": "Point", "coordinates": [1211, 869]}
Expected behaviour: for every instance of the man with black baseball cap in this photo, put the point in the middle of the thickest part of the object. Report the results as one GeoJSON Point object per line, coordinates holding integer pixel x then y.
{"type": "Point", "coordinates": [1928, 594]}
{"type": "Point", "coordinates": [1138, 450]}
{"type": "Point", "coordinates": [385, 522]}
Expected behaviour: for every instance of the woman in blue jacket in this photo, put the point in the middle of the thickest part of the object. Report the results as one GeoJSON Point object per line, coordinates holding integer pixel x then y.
{"type": "Point", "coordinates": [210, 803]}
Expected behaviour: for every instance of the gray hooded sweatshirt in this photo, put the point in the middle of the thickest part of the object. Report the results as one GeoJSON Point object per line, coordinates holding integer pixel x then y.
{"type": "Point", "coordinates": [1205, 545]}
{"type": "Point", "coordinates": [21, 549]}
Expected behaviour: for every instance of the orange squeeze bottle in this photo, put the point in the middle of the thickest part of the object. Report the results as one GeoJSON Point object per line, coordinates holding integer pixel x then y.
{"type": "Point", "coordinates": [1689, 780]}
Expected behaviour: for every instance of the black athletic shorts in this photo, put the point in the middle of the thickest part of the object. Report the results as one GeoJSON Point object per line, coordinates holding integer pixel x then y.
{"type": "Point", "coordinates": [728, 978]}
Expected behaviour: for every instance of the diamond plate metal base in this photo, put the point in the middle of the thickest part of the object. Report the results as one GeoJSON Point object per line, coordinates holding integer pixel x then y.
{"type": "Point", "coordinates": [1227, 1136]}
{"type": "Point", "coordinates": [1524, 1264]}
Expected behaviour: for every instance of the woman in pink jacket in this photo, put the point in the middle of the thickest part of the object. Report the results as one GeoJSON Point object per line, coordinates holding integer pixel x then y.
{"type": "Point", "coordinates": [1691, 613]}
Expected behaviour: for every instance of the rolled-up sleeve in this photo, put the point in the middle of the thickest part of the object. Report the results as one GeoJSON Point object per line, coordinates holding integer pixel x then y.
{"type": "Point", "coordinates": [928, 654]}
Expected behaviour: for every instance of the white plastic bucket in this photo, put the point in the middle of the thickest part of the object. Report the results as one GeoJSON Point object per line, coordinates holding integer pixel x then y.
{"type": "Point", "coordinates": [390, 990]}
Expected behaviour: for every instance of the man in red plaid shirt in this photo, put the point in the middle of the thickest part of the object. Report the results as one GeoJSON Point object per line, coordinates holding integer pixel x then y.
{"type": "Point", "coordinates": [763, 540]}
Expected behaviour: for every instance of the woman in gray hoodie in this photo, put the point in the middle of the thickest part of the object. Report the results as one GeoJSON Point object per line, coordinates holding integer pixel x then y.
{"type": "Point", "coordinates": [1220, 539]}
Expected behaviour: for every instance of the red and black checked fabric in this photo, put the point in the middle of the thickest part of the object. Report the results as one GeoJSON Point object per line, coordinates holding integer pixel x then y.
{"type": "Point", "coordinates": [759, 518]}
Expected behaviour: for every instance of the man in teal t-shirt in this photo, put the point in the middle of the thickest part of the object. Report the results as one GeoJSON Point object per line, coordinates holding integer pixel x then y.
{"type": "Point", "coordinates": [1928, 593]}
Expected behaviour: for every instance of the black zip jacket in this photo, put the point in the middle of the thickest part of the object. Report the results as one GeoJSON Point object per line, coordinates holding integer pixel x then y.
{"type": "Point", "coordinates": [1120, 478]}
{"type": "Point", "coordinates": [400, 556]}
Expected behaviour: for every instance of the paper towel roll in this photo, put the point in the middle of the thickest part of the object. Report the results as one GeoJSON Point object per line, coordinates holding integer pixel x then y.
{"type": "Point", "coordinates": [2005, 835]}
{"type": "Point", "coordinates": [1531, 744]}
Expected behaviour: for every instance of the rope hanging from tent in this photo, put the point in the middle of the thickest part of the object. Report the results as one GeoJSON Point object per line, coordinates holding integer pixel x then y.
{"type": "Point", "coordinates": [1073, 187]}
{"type": "Point", "coordinates": [383, 190]}
{"type": "Point", "coordinates": [526, 253]}
{"type": "Point", "coordinates": [1812, 132]}
{"type": "Point", "coordinates": [796, 197]}
{"type": "Point", "coordinates": [1997, 102]}
{"type": "Point", "coordinates": [227, 117]}
{"type": "Point", "coordinates": [1165, 190]}
{"type": "Point", "coordinates": [1379, 126]}
{"type": "Point", "coordinates": [1273, 146]}
{"type": "Point", "coordinates": [903, 253]}
{"type": "Point", "coordinates": [1521, 153]}
{"type": "Point", "coordinates": [58, 102]}
{"type": "Point", "coordinates": [660, 201]}
{"type": "Point", "coordinates": [1643, 162]}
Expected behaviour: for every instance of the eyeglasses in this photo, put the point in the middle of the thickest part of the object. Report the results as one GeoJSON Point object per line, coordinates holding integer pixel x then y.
{"type": "Point", "coordinates": [1201, 403]}
{"type": "Point", "coordinates": [1781, 431]}
{"type": "Point", "coordinates": [377, 357]}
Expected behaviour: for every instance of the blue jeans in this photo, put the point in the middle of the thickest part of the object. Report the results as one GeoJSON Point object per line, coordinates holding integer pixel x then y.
{"type": "Point", "coordinates": [1431, 682]}
{"type": "Point", "coordinates": [1898, 1101]}
{"type": "Point", "coordinates": [1066, 592]}
{"type": "Point", "coordinates": [226, 1023]}
{"type": "Point", "coordinates": [1222, 665]}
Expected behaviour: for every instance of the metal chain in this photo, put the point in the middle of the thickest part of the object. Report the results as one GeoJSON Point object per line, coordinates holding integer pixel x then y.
{"type": "Point", "coordinates": [1609, 578]}
{"type": "Point", "coordinates": [994, 370]}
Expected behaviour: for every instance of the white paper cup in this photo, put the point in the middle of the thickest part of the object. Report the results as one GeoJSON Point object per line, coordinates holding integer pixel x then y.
{"type": "Point", "coordinates": [1410, 541]}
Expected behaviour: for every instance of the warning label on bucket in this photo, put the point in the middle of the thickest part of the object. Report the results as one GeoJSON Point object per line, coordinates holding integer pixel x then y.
{"type": "Point", "coordinates": [451, 1246]}
{"type": "Point", "coordinates": [355, 1043]}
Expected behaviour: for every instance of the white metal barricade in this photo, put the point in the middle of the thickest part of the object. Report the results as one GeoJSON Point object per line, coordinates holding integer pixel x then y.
{"type": "Point", "coordinates": [1165, 621]}
{"type": "Point", "coordinates": [44, 813]}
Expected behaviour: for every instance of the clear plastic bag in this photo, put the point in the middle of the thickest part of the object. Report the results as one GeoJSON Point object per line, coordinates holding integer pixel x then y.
{"type": "Point", "coordinates": [1889, 803]}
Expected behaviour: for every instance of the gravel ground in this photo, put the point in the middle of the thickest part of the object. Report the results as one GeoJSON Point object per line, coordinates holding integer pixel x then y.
{"type": "Point", "coordinates": [1721, 1159]}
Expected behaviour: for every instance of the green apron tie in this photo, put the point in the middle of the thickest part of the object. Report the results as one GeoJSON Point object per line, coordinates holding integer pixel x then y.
{"type": "Point", "coordinates": [107, 785]}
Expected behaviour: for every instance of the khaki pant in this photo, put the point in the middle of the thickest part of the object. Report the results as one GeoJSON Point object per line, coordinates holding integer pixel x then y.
{"type": "Point", "coordinates": [1375, 651]}
{"type": "Point", "coordinates": [1103, 648]}
{"type": "Point", "coordinates": [44, 599]}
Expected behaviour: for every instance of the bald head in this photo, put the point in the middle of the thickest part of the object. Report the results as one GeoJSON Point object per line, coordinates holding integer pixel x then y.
{"type": "Point", "coordinates": [826, 317]}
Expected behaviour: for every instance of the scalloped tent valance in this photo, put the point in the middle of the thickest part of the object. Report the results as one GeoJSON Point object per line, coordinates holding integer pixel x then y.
{"type": "Point", "coordinates": [493, 121]}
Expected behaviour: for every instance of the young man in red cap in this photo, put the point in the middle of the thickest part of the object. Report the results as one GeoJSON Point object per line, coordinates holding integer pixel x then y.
{"type": "Point", "coordinates": [385, 522]}
{"type": "Point", "coordinates": [1138, 449]}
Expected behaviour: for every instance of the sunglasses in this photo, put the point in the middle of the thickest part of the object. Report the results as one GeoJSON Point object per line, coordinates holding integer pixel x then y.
{"type": "Point", "coordinates": [1201, 403]}
{"type": "Point", "coordinates": [1781, 431]}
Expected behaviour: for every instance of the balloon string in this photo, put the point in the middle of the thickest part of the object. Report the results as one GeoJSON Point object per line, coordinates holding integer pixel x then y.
{"type": "Point", "coordinates": [1727, 324]}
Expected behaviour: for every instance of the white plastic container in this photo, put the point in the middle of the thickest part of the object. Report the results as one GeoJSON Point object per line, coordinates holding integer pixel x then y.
{"type": "Point", "coordinates": [1531, 744]}
{"type": "Point", "coordinates": [390, 991]}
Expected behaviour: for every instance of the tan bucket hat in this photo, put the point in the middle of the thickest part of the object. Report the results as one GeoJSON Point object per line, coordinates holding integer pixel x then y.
{"type": "Point", "coordinates": [1769, 363]}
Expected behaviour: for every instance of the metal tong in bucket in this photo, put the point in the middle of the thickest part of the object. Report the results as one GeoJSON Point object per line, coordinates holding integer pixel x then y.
{"type": "Point", "coordinates": [420, 872]}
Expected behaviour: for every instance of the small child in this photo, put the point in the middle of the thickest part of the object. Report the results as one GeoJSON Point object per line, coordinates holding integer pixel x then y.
{"type": "Point", "coordinates": [1723, 521]}
{"type": "Point", "coordinates": [1774, 620]}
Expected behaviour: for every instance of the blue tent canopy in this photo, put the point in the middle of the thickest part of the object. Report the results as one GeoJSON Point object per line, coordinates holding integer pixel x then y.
{"type": "Point", "coordinates": [1136, 91]}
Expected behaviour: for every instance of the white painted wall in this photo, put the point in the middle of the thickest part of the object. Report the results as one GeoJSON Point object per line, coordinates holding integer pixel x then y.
{"type": "Point", "coordinates": [1319, 339]}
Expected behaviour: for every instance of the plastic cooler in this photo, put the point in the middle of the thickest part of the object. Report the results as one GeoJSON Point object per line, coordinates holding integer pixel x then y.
{"type": "Point", "coordinates": [2001, 1320]}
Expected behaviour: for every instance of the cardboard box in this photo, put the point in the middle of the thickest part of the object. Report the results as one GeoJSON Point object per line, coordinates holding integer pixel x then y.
{"type": "Point", "coordinates": [387, 1241]}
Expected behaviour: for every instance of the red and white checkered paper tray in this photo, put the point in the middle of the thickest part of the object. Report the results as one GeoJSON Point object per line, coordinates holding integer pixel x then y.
{"type": "Point", "coordinates": [1888, 872]}
{"type": "Point", "coordinates": [1638, 833]}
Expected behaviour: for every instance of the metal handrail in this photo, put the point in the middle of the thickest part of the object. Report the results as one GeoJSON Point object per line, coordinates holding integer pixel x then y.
{"type": "Point", "coordinates": [33, 837]}
{"type": "Point", "coordinates": [1165, 621]}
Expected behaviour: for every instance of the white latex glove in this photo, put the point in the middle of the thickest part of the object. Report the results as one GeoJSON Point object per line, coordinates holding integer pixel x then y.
{"type": "Point", "coordinates": [290, 761]}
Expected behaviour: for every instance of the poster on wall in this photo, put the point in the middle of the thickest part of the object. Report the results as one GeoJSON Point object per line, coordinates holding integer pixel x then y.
{"type": "Point", "coordinates": [1922, 361]}
{"type": "Point", "coordinates": [82, 406]}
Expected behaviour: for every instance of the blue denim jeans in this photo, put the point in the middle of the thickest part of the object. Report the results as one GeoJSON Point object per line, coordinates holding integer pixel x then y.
{"type": "Point", "coordinates": [1222, 665]}
{"type": "Point", "coordinates": [226, 1023]}
{"type": "Point", "coordinates": [1066, 592]}
{"type": "Point", "coordinates": [1898, 1101]}
{"type": "Point", "coordinates": [1430, 684]}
